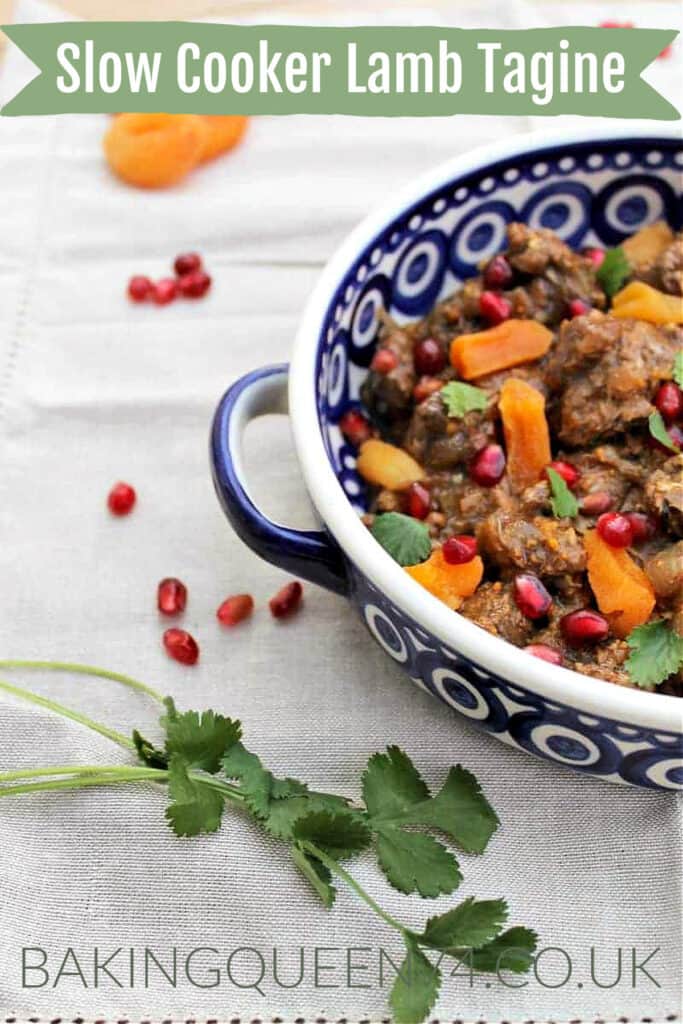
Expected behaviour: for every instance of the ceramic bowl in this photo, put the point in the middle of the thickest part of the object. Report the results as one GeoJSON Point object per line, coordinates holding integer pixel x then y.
{"type": "Point", "coordinates": [417, 248]}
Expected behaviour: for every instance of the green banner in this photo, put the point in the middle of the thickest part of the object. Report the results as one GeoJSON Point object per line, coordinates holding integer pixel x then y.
{"type": "Point", "coordinates": [184, 67]}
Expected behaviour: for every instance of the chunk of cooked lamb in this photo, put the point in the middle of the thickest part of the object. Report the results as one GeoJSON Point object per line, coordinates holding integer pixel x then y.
{"type": "Point", "coordinates": [664, 494]}
{"type": "Point", "coordinates": [493, 607]}
{"type": "Point", "coordinates": [544, 546]}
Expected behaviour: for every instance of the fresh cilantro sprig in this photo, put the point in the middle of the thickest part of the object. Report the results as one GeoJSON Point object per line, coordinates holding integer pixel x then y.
{"type": "Point", "coordinates": [657, 428]}
{"type": "Point", "coordinates": [404, 537]}
{"type": "Point", "coordinates": [206, 767]}
{"type": "Point", "coordinates": [656, 653]}
{"type": "Point", "coordinates": [461, 398]}
{"type": "Point", "coordinates": [562, 501]}
{"type": "Point", "coordinates": [613, 271]}
{"type": "Point", "coordinates": [677, 372]}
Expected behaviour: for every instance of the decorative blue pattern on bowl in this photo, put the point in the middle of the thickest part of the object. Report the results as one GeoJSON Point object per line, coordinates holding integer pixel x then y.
{"type": "Point", "coordinates": [595, 192]}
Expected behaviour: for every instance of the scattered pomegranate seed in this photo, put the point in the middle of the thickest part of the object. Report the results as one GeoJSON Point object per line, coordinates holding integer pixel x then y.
{"type": "Point", "coordinates": [531, 597]}
{"type": "Point", "coordinates": [459, 550]}
{"type": "Point", "coordinates": [355, 427]}
{"type": "Point", "coordinates": [171, 596]}
{"type": "Point", "coordinates": [596, 503]}
{"type": "Point", "coordinates": [498, 273]}
{"type": "Point", "coordinates": [186, 263]}
{"type": "Point", "coordinates": [384, 361]}
{"type": "Point", "coordinates": [570, 474]}
{"type": "Point", "coordinates": [488, 466]}
{"type": "Point", "coordinates": [429, 357]}
{"type": "Point", "coordinates": [545, 653]}
{"type": "Point", "coordinates": [669, 401]}
{"type": "Point", "coordinates": [577, 307]}
{"type": "Point", "coordinates": [494, 307]}
{"type": "Point", "coordinates": [419, 501]}
{"type": "Point", "coordinates": [235, 609]}
{"type": "Point", "coordinates": [615, 529]}
{"type": "Point", "coordinates": [644, 526]}
{"type": "Point", "coordinates": [584, 627]}
{"type": "Point", "coordinates": [287, 601]}
{"type": "Point", "coordinates": [595, 255]}
{"type": "Point", "coordinates": [164, 291]}
{"type": "Point", "coordinates": [425, 387]}
{"type": "Point", "coordinates": [195, 284]}
{"type": "Point", "coordinates": [616, 24]}
{"type": "Point", "coordinates": [139, 288]}
{"type": "Point", "coordinates": [181, 646]}
{"type": "Point", "coordinates": [121, 499]}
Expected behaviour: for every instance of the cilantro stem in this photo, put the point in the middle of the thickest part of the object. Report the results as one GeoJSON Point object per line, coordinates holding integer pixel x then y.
{"type": "Point", "coordinates": [81, 782]}
{"type": "Point", "coordinates": [85, 670]}
{"type": "Point", "coordinates": [66, 769]}
{"type": "Point", "coordinates": [338, 870]}
{"type": "Point", "coordinates": [75, 716]}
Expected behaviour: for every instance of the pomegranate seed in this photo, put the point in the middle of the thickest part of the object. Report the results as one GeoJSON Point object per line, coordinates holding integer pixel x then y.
{"type": "Point", "coordinates": [419, 501]}
{"type": "Point", "coordinates": [384, 361]}
{"type": "Point", "coordinates": [615, 530]}
{"type": "Point", "coordinates": [577, 307]}
{"type": "Point", "coordinates": [531, 597]}
{"type": "Point", "coordinates": [287, 601]}
{"type": "Point", "coordinates": [545, 653]}
{"type": "Point", "coordinates": [181, 646]}
{"type": "Point", "coordinates": [498, 273]}
{"type": "Point", "coordinates": [669, 401]}
{"type": "Point", "coordinates": [195, 284]}
{"type": "Point", "coordinates": [186, 263]}
{"type": "Point", "coordinates": [459, 550]}
{"type": "Point", "coordinates": [121, 499]}
{"type": "Point", "coordinates": [584, 627]}
{"type": "Point", "coordinates": [488, 466]}
{"type": "Point", "coordinates": [429, 357]}
{"type": "Point", "coordinates": [164, 291]}
{"type": "Point", "coordinates": [616, 24]}
{"type": "Point", "coordinates": [595, 255]}
{"type": "Point", "coordinates": [570, 474]}
{"type": "Point", "coordinates": [644, 526]}
{"type": "Point", "coordinates": [171, 596]}
{"type": "Point", "coordinates": [139, 288]}
{"type": "Point", "coordinates": [596, 503]}
{"type": "Point", "coordinates": [425, 387]}
{"type": "Point", "coordinates": [355, 427]}
{"type": "Point", "coordinates": [235, 609]}
{"type": "Point", "coordinates": [494, 307]}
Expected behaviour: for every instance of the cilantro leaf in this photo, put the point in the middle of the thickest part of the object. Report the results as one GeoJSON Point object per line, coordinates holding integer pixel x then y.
{"type": "Point", "coordinates": [392, 783]}
{"type": "Point", "coordinates": [471, 923]}
{"type": "Point", "coordinates": [195, 808]}
{"type": "Point", "coordinates": [613, 271]}
{"type": "Point", "coordinates": [340, 835]}
{"type": "Point", "coordinates": [416, 987]}
{"type": "Point", "coordinates": [148, 753]}
{"type": "Point", "coordinates": [562, 501]}
{"type": "Point", "coordinates": [317, 874]}
{"type": "Point", "coordinates": [461, 398]}
{"type": "Point", "coordinates": [200, 739]}
{"type": "Point", "coordinates": [459, 809]}
{"type": "Point", "coordinates": [659, 432]}
{"type": "Point", "coordinates": [511, 951]}
{"type": "Point", "coordinates": [656, 653]}
{"type": "Point", "coordinates": [405, 538]}
{"type": "Point", "coordinates": [256, 781]}
{"type": "Point", "coordinates": [677, 372]}
{"type": "Point", "coordinates": [414, 862]}
{"type": "Point", "coordinates": [284, 812]}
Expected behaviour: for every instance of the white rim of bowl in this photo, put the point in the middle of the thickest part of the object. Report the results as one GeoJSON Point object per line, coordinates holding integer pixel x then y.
{"type": "Point", "coordinates": [586, 693]}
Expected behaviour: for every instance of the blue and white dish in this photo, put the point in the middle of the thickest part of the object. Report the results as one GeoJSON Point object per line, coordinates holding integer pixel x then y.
{"type": "Point", "coordinates": [404, 258]}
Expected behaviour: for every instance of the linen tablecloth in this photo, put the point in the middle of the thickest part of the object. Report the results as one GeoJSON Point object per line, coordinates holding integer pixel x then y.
{"type": "Point", "coordinates": [94, 389]}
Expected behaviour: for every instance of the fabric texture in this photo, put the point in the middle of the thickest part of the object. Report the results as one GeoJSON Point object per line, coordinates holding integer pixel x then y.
{"type": "Point", "coordinates": [94, 389]}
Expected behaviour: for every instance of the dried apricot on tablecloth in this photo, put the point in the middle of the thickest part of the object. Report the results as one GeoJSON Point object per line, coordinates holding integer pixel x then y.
{"type": "Point", "coordinates": [450, 583]}
{"type": "Point", "coordinates": [154, 150]}
{"type": "Point", "coordinates": [223, 132]}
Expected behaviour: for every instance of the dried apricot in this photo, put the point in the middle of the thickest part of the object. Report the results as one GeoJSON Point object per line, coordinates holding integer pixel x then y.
{"type": "Point", "coordinates": [450, 583]}
{"type": "Point", "coordinates": [223, 132]}
{"type": "Point", "coordinates": [154, 150]}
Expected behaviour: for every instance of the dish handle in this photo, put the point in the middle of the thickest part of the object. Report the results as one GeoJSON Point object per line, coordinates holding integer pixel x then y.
{"type": "Point", "coordinates": [308, 553]}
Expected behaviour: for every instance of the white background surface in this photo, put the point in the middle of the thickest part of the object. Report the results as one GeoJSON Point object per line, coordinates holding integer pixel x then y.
{"type": "Point", "coordinates": [93, 389]}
